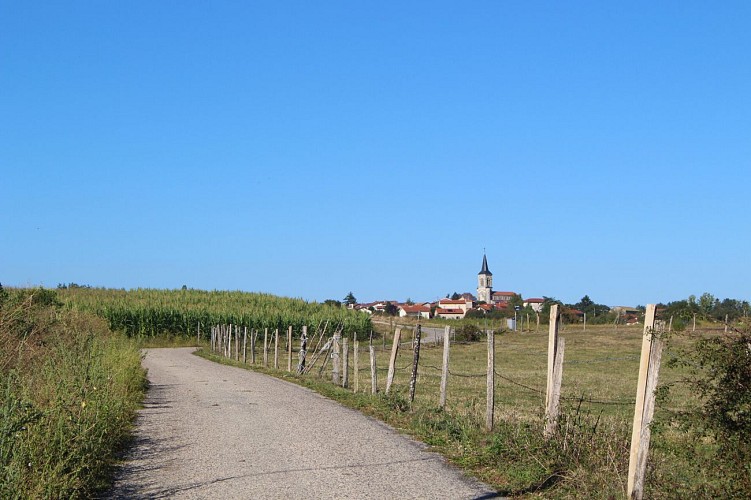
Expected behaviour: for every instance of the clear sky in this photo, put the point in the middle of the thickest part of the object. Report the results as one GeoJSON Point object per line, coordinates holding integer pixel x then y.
{"type": "Point", "coordinates": [309, 149]}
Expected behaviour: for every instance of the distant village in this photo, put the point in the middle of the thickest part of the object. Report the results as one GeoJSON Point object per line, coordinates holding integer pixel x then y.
{"type": "Point", "coordinates": [456, 306]}
{"type": "Point", "coordinates": [487, 301]}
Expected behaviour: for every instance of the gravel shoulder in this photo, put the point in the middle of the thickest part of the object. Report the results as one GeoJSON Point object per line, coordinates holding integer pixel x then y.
{"type": "Point", "coordinates": [214, 431]}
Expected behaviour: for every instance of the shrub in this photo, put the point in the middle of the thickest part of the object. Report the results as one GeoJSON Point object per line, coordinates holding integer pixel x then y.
{"type": "Point", "coordinates": [468, 332]}
{"type": "Point", "coordinates": [712, 437]}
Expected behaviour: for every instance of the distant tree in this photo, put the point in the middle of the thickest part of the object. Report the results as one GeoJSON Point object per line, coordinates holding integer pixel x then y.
{"type": "Point", "coordinates": [516, 301]}
{"type": "Point", "coordinates": [590, 308]}
{"type": "Point", "coordinates": [706, 304]}
{"type": "Point", "coordinates": [185, 287]}
{"type": "Point", "coordinates": [332, 303]}
{"type": "Point", "coordinates": [350, 299]}
{"type": "Point", "coordinates": [546, 304]}
{"type": "Point", "coordinates": [390, 309]}
{"type": "Point", "coordinates": [455, 296]}
{"type": "Point", "coordinates": [409, 302]}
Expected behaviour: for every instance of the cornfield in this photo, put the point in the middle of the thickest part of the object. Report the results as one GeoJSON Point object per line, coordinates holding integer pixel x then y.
{"type": "Point", "coordinates": [151, 312]}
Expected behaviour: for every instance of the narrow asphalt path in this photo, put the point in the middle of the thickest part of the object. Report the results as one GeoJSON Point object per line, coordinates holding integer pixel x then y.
{"type": "Point", "coordinates": [213, 431]}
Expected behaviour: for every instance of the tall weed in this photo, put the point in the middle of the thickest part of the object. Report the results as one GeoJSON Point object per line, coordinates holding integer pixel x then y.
{"type": "Point", "coordinates": [69, 389]}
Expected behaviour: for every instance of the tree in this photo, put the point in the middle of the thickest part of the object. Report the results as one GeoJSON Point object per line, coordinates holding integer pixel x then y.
{"type": "Point", "coordinates": [350, 299]}
{"type": "Point", "coordinates": [516, 301]}
{"type": "Point", "coordinates": [706, 303]}
{"type": "Point", "coordinates": [456, 296]}
{"type": "Point", "coordinates": [390, 309]}
{"type": "Point", "coordinates": [590, 308]}
{"type": "Point", "coordinates": [409, 302]}
{"type": "Point", "coordinates": [332, 303]}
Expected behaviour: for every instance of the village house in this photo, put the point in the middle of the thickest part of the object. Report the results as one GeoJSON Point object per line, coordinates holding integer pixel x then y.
{"type": "Point", "coordinates": [414, 311]}
{"type": "Point", "coordinates": [453, 309]}
{"type": "Point", "coordinates": [535, 304]}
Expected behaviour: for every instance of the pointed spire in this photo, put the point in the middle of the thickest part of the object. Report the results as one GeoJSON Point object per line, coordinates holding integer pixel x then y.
{"type": "Point", "coordinates": [485, 269]}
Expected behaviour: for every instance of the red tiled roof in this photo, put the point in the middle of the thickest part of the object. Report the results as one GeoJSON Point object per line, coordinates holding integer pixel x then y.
{"type": "Point", "coordinates": [414, 309]}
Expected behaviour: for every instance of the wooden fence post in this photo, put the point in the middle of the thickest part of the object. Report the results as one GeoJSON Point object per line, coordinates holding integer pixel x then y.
{"type": "Point", "coordinates": [445, 370]}
{"type": "Point", "coordinates": [373, 373]}
{"type": "Point", "coordinates": [490, 387]}
{"type": "Point", "coordinates": [229, 342]}
{"type": "Point", "coordinates": [356, 362]}
{"type": "Point", "coordinates": [245, 345]}
{"type": "Point", "coordinates": [415, 362]}
{"type": "Point", "coordinates": [335, 374]}
{"type": "Point", "coordinates": [555, 372]}
{"type": "Point", "coordinates": [392, 360]}
{"type": "Point", "coordinates": [237, 343]}
{"type": "Point", "coordinates": [276, 349]}
{"type": "Point", "coordinates": [345, 359]}
{"type": "Point", "coordinates": [252, 346]}
{"type": "Point", "coordinates": [649, 367]}
{"type": "Point", "coordinates": [265, 347]}
{"type": "Point", "coordinates": [289, 349]}
{"type": "Point", "coordinates": [303, 346]}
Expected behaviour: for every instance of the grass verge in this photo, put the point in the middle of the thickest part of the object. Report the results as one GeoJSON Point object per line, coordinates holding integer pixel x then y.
{"type": "Point", "coordinates": [69, 389]}
{"type": "Point", "coordinates": [588, 457]}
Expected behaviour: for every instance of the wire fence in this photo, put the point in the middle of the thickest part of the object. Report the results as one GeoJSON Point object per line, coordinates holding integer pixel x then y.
{"type": "Point", "coordinates": [321, 353]}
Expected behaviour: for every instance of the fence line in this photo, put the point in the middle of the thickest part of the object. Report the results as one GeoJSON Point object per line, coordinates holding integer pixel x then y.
{"type": "Point", "coordinates": [225, 340]}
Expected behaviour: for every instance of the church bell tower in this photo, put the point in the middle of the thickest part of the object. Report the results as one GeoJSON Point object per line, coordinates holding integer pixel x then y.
{"type": "Point", "coordinates": [485, 283]}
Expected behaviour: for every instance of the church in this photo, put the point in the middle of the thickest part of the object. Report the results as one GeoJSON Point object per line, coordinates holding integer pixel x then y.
{"type": "Point", "coordinates": [485, 283]}
{"type": "Point", "coordinates": [485, 291]}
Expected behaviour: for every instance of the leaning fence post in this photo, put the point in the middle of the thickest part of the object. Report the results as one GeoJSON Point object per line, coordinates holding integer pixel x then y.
{"type": "Point", "coordinates": [445, 370]}
{"type": "Point", "coordinates": [392, 360]}
{"type": "Point", "coordinates": [490, 388]}
{"type": "Point", "coordinates": [302, 353]}
{"type": "Point", "coordinates": [555, 372]}
{"type": "Point", "coordinates": [649, 367]}
{"type": "Point", "coordinates": [415, 362]}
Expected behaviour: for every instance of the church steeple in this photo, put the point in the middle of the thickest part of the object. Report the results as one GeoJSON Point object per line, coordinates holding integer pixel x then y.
{"type": "Point", "coordinates": [485, 282]}
{"type": "Point", "coordinates": [485, 269]}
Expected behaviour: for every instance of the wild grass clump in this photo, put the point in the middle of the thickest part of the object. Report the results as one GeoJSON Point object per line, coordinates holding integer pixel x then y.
{"type": "Point", "coordinates": [69, 389]}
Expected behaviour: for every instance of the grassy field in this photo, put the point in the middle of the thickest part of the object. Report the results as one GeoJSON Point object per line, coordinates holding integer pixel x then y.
{"type": "Point", "coordinates": [589, 455]}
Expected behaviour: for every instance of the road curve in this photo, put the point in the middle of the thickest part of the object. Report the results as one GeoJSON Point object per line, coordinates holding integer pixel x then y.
{"type": "Point", "coordinates": [213, 431]}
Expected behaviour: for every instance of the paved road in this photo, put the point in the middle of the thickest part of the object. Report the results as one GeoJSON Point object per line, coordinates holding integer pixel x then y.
{"type": "Point", "coordinates": [212, 431]}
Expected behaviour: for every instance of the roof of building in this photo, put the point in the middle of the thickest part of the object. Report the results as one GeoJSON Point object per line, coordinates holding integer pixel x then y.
{"type": "Point", "coordinates": [534, 301]}
{"type": "Point", "coordinates": [485, 269]}
{"type": "Point", "coordinates": [448, 311]}
{"type": "Point", "coordinates": [504, 293]}
{"type": "Point", "coordinates": [449, 301]}
{"type": "Point", "coordinates": [414, 308]}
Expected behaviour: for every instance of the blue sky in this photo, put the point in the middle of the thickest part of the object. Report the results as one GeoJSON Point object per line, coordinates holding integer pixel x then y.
{"type": "Point", "coordinates": [308, 149]}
